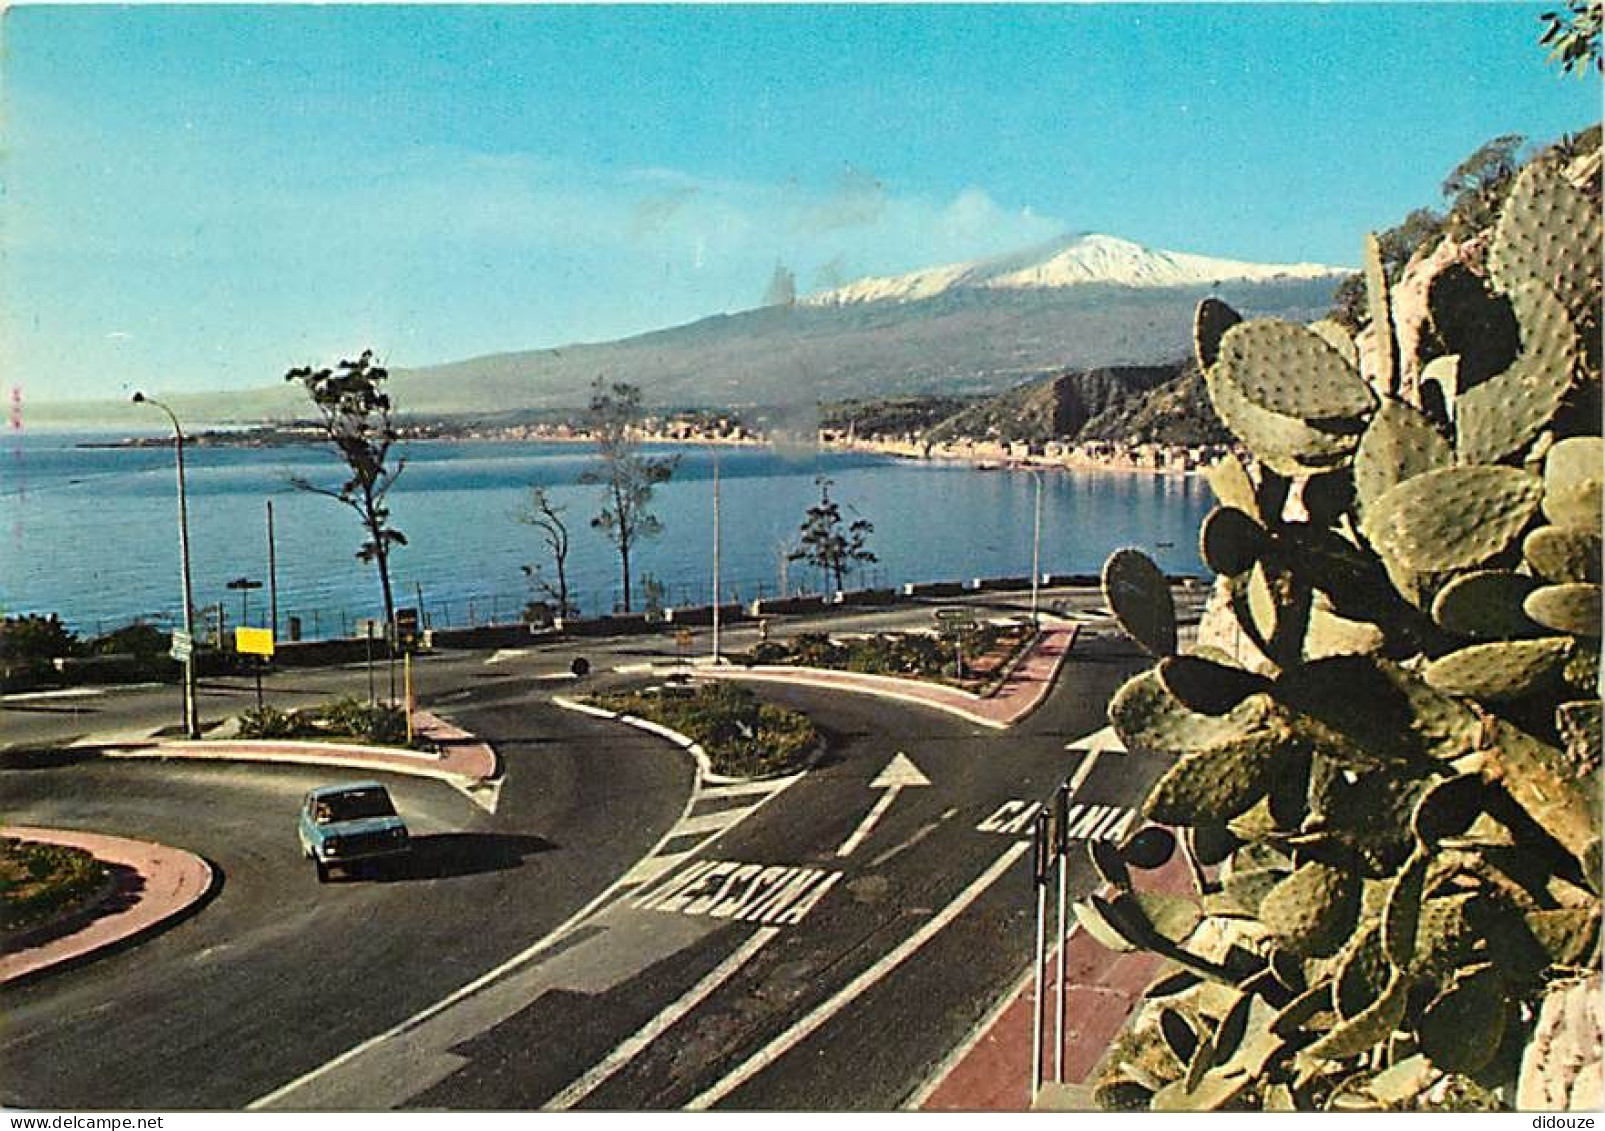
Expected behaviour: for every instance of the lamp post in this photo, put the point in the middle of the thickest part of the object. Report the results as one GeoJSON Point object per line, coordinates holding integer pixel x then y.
{"type": "Point", "coordinates": [1036, 552]}
{"type": "Point", "coordinates": [715, 557]}
{"type": "Point", "coordinates": [192, 723]}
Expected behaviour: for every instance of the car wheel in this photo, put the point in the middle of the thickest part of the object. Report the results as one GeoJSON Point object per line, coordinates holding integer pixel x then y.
{"type": "Point", "coordinates": [323, 871]}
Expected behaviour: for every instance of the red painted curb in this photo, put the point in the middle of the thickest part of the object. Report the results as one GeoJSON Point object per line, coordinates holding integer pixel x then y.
{"type": "Point", "coordinates": [161, 884]}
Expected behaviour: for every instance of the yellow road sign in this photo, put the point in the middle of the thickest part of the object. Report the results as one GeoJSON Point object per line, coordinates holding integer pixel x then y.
{"type": "Point", "coordinates": [254, 641]}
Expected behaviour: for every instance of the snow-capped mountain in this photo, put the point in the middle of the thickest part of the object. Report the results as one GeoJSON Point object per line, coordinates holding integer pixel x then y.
{"type": "Point", "coordinates": [1071, 261]}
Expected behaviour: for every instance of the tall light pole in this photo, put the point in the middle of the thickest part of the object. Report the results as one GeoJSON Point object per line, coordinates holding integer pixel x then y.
{"type": "Point", "coordinates": [716, 557]}
{"type": "Point", "coordinates": [1036, 552]}
{"type": "Point", "coordinates": [192, 722]}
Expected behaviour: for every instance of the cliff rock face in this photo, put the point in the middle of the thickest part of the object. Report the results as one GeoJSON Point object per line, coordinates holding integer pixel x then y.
{"type": "Point", "coordinates": [1563, 1067]}
{"type": "Point", "coordinates": [1059, 408]}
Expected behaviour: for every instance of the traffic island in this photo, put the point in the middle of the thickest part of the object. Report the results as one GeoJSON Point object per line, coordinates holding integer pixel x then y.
{"type": "Point", "coordinates": [147, 887]}
{"type": "Point", "coordinates": [1020, 690]}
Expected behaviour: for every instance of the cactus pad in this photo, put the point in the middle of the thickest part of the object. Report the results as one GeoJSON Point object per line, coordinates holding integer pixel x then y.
{"type": "Point", "coordinates": [1214, 785]}
{"type": "Point", "coordinates": [1398, 443]}
{"type": "Point", "coordinates": [1370, 1027]}
{"type": "Point", "coordinates": [1567, 934]}
{"type": "Point", "coordinates": [1497, 418]}
{"type": "Point", "coordinates": [1210, 322]}
{"type": "Point", "coordinates": [1313, 910]}
{"type": "Point", "coordinates": [1231, 484]}
{"type": "Point", "coordinates": [1103, 932]}
{"type": "Point", "coordinates": [1230, 542]}
{"type": "Point", "coordinates": [1509, 669]}
{"type": "Point", "coordinates": [1330, 635]}
{"type": "Point", "coordinates": [1139, 595]}
{"type": "Point", "coordinates": [1452, 518]}
{"type": "Point", "coordinates": [1285, 368]}
{"type": "Point", "coordinates": [1336, 335]}
{"type": "Point", "coordinates": [1563, 553]}
{"type": "Point", "coordinates": [1203, 685]}
{"type": "Point", "coordinates": [1579, 725]}
{"type": "Point", "coordinates": [1461, 1030]}
{"type": "Point", "coordinates": [1548, 232]}
{"type": "Point", "coordinates": [1401, 914]}
{"type": "Point", "coordinates": [1384, 341]}
{"type": "Point", "coordinates": [1362, 975]}
{"type": "Point", "coordinates": [1246, 888]}
{"type": "Point", "coordinates": [1573, 471]}
{"type": "Point", "coordinates": [1284, 444]}
{"type": "Point", "coordinates": [1121, 1095]}
{"type": "Point", "coordinates": [1486, 604]}
{"type": "Point", "coordinates": [1570, 608]}
{"type": "Point", "coordinates": [1148, 717]}
{"type": "Point", "coordinates": [1448, 808]}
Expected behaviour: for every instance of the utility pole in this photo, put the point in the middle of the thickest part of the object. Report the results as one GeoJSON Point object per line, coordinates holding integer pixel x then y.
{"type": "Point", "coordinates": [1036, 553]}
{"type": "Point", "coordinates": [716, 557]}
{"type": "Point", "coordinates": [273, 575]}
{"type": "Point", "coordinates": [192, 721]}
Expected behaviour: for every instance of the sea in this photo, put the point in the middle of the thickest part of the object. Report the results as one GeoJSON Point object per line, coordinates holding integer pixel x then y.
{"type": "Point", "coordinates": [91, 533]}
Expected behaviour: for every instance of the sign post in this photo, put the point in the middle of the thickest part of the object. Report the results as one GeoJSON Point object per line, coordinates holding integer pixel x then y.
{"type": "Point", "coordinates": [953, 623]}
{"type": "Point", "coordinates": [256, 642]}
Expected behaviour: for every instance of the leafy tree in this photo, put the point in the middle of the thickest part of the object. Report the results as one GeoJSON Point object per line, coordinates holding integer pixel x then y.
{"type": "Point", "coordinates": [627, 477]}
{"type": "Point", "coordinates": [547, 518]}
{"type": "Point", "coordinates": [357, 420]}
{"type": "Point", "coordinates": [1573, 37]}
{"type": "Point", "coordinates": [29, 643]}
{"type": "Point", "coordinates": [1476, 188]}
{"type": "Point", "coordinates": [826, 544]}
{"type": "Point", "coordinates": [137, 638]}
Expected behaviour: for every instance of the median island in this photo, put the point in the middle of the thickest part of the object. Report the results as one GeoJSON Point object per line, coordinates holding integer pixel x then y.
{"type": "Point", "coordinates": [43, 883]}
{"type": "Point", "coordinates": [741, 735]}
{"type": "Point", "coordinates": [976, 662]}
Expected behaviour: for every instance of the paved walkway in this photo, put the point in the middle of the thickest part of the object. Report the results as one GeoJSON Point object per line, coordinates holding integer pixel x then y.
{"type": "Point", "coordinates": [1102, 990]}
{"type": "Point", "coordinates": [1020, 693]}
{"type": "Point", "coordinates": [153, 884]}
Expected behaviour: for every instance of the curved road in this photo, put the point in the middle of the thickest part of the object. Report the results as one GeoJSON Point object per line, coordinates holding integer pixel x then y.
{"type": "Point", "coordinates": [278, 973]}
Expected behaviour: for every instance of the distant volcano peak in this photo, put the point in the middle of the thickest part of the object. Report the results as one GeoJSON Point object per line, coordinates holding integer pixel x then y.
{"type": "Point", "coordinates": [1075, 259]}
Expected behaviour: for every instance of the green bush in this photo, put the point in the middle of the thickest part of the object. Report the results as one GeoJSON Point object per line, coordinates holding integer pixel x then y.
{"type": "Point", "coordinates": [352, 718]}
{"type": "Point", "coordinates": [270, 722]}
{"type": "Point", "coordinates": [742, 736]}
{"type": "Point", "coordinates": [137, 639]}
{"type": "Point", "coordinates": [39, 882]}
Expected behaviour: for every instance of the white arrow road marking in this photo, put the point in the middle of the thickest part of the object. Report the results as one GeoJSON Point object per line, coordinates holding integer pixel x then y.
{"type": "Point", "coordinates": [635, 1045]}
{"type": "Point", "coordinates": [486, 794]}
{"type": "Point", "coordinates": [501, 655]}
{"type": "Point", "coordinates": [898, 774]}
{"type": "Point", "coordinates": [845, 996]}
{"type": "Point", "coordinates": [1104, 741]}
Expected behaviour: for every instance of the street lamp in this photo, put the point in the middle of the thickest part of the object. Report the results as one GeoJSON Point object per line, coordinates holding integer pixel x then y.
{"type": "Point", "coordinates": [1036, 553]}
{"type": "Point", "coordinates": [192, 724]}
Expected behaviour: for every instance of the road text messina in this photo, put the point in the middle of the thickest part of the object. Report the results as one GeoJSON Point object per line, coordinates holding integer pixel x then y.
{"type": "Point", "coordinates": [752, 893]}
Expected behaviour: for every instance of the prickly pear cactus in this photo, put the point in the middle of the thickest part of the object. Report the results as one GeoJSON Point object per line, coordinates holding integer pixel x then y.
{"type": "Point", "coordinates": [1391, 796]}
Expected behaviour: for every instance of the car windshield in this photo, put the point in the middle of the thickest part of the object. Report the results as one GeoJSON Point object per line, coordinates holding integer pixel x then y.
{"type": "Point", "coordinates": [352, 806]}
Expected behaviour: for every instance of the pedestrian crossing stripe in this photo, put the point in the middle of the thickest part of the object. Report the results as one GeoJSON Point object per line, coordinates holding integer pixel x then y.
{"type": "Point", "coordinates": [750, 893]}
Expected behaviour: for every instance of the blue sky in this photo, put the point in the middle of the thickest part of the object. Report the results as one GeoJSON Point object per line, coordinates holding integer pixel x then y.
{"type": "Point", "coordinates": [203, 197]}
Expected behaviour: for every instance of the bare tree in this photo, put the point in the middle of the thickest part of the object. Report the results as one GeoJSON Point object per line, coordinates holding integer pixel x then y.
{"type": "Point", "coordinates": [627, 477]}
{"type": "Point", "coordinates": [547, 518]}
{"type": "Point", "coordinates": [357, 421]}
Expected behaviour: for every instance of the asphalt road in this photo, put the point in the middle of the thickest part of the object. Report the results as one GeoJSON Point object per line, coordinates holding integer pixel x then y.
{"type": "Point", "coordinates": [264, 995]}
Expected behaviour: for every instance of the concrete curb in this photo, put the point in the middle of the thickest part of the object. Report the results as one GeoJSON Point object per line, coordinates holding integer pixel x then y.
{"type": "Point", "coordinates": [705, 771]}
{"type": "Point", "coordinates": [476, 765]}
{"type": "Point", "coordinates": [174, 883]}
{"type": "Point", "coordinates": [952, 700]}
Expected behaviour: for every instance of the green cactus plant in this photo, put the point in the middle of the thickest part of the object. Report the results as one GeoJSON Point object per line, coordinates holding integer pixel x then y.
{"type": "Point", "coordinates": [1397, 771]}
{"type": "Point", "coordinates": [1139, 595]}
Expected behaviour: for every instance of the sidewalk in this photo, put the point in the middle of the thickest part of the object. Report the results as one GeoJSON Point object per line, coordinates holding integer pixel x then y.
{"type": "Point", "coordinates": [153, 884]}
{"type": "Point", "coordinates": [1020, 693]}
{"type": "Point", "coordinates": [992, 1071]}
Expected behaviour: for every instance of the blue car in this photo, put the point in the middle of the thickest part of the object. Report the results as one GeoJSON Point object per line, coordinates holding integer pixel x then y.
{"type": "Point", "coordinates": [344, 826]}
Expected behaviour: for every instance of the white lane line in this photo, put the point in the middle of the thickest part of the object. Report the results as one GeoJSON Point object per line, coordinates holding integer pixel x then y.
{"type": "Point", "coordinates": [874, 815]}
{"type": "Point", "coordinates": [1079, 778]}
{"type": "Point", "coordinates": [501, 655]}
{"type": "Point", "coordinates": [782, 1044]}
{"type": "Point", "coordinates": [652, 867]}
{"type": "Point", "coordinates": [635, 1045]}
{"type": "Point", "coordinates": [710, 822]}
{"type": "Point", "coordinates": [473, 987]}
{"type": "Point", "coordinates": [61, 693]}
{"type": "Point", "coordinates": [747, 788]}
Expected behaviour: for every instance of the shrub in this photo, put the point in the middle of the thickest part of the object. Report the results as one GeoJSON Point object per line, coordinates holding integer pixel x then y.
{"type": "Point", "coordinates": [270, 722]}
{"type": "Point", "coordinates": [137, 639]}
{"type": "Point", "coordinates": [39, 882]}
{"type": "Point", "coordinates": [742, 736]}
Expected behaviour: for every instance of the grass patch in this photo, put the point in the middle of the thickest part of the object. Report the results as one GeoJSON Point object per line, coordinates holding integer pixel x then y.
{"type": "Point", "coordinates": [40, 882]}
{"type": "Point", "coordinates": [339, 720]}
{"type": "Point", "coordinates": [742, 735]}
{"type": "Point", "coordinates": [988, 651]}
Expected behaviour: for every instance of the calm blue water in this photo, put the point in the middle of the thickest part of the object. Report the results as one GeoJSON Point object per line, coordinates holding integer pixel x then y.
{"type": "Point", "coordinates": [92, 533]}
